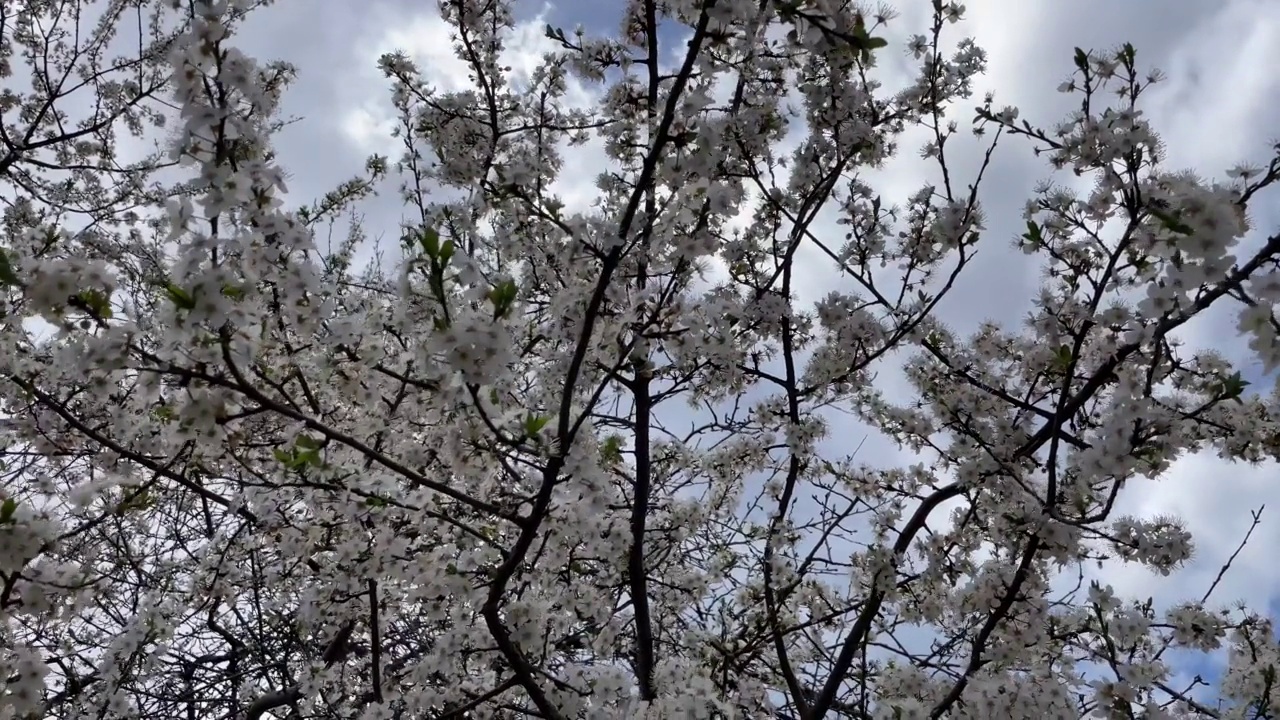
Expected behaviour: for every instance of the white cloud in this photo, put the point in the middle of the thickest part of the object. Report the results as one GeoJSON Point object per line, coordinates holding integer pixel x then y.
{"type": "Point", "coordinates": [369, 128]}
{"type": "Point", "coordinates": [1221, 83]}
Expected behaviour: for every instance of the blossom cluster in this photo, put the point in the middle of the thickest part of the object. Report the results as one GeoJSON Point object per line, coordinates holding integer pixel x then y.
{"type": "Point", "coordinates": [561, 461]}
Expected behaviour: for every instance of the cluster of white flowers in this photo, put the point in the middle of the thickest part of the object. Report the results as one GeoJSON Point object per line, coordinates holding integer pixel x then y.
{"type": "Point", "coordinates": [56, 285]}
{"type": "Point", "coordinates": [1195, 627]}
{"type": "Point", "coordinates": [1160, 543]}
{"type": "Point", "coordinates": [25, 670]}
{"type": "Point", "coordinates": [1128, 626]}
{"type": "Point", "coordinates": [582, 462]}
{"type": "Point", "coordinates": [1252, 665]}
{"type": "Point", "coordinates": [1021, 697]}
{"type": "Point", "coordinates": [24, 533]}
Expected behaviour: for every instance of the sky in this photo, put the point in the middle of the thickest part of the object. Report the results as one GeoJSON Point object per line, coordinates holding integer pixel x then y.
{"type": "Point", "coordinates": [1218, 106]}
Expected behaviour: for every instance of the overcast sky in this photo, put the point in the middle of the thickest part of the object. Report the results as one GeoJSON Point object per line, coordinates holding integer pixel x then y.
{"type": "Point", "coordinates": [1217, 107]}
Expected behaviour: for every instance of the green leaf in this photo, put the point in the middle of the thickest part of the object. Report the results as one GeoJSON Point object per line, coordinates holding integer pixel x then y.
{"type": "Point", "coordinates": [96, 302]}
{"type": "Point", "coordinates": [7, 509]}
{"type": "Point", "coordinates": [8, 277]}
{"type": "Point", "coordinates": [1034, 234]}
{"type": "Point", "coordinates": [307, 442]}
{"type": "Point", "coordinates": [1172, 223]}
{"type": "Point", "coordinates": [864, 43]}
{"type": "Point", "coordinates": [375, 502]}
{"type": "Point", "coordinates": [181, 298]}
{"type": "Point", "coordinates": [297, 459]}
{"type": "Point", "coordinates": [430, 240]}
{"type": "Point", "coordinates": [1078, 504]}
{"type": "Point", "coordinates": [555, 33]}
{"type": "Point", "coordinates": [1082, 60]}
{"type": "Point", "coordinates": [141, 501]}
{"type": "Point", "coordinates": [533, 424]}
{"type": "Point", "coordinates": [1062, 357]}
{"type": "Point", "coordinates": [503, 296]}
{"type": "Point", "coordinates": [1232, 387]}
{"type": "Point", "coordinates": [611, 450]}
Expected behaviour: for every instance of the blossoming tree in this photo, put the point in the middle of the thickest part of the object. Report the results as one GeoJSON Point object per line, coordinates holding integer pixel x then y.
{"type": "Point", "coordinates": [558, 462]}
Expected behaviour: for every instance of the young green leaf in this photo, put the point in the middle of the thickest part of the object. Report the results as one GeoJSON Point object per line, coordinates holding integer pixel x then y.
{"type": "Point", "coordinates": [7, 509]}
{"type": "Point", "coordinates": [1034, 235]}
{"type": "Point", "coordinates": [307, 442]}
{"type": "Point", "coordinates": [533, 424]}
{"type": "Point", "coordinates": [8, 278]}
{"type": "Point", "coordinates": [1062, 357]}
{"type": "Point", "coordinates": [430, 240]}
{"type": "Point", "coordinates": [1172, 223]}
{"type": "Point", "coordinates": [180, 298]}
{"type": "Point", "coordinates": [1232, 387]}
{"type": "Point", "coordinates": [1082, 60]}
{"type": "Point", "coordinates": [96, 302]}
